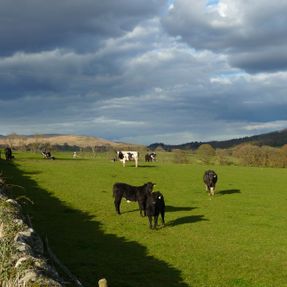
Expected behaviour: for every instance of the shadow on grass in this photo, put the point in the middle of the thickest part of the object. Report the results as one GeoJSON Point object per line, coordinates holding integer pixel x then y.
{"type": "Point", "coordinates": [186, 220]}
{"type": "Point", "coordinates": [77, 239]}
{"type": "Point", "coordinates": [170, 208]}
{"type": "Point", "coordinates": [228, 191]}
{"type": "Point", "coordinates": [147, 166]}
{"type": "Point", "coordinates": [131, 211]}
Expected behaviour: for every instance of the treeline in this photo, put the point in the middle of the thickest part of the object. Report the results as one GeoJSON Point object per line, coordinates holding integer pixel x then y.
{"type": "Point", "coordinates": [248, 154]}
{"type": "Point", "coordinates": [273, 139]}
{"type": "Point", "coordinates": [265, 156]}
{"type": "Point", "coordinates": [244, 154]}
{"type": "Point", "coordinates": [39, 146]}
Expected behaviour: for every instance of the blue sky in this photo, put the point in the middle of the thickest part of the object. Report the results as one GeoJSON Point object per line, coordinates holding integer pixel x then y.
{"type": "Point", "coordinates": [143, 71]}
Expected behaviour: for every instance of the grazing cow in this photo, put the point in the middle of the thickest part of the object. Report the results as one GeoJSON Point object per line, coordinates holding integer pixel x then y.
{"type": "Point", "coordinates": [132, 193]}
{"type": "Point", "coordinates": [210, 179]}
{"type": "Point", "coordinates": [128, 156]}
{"type": "Point", "coordinates": [8, 153]}
{"type": "Point", "coordinates": [47, 155]}
{"type": "Point", "coordinates": [155, 205]}
{"type": "Point", "coordinates": [150, 157]}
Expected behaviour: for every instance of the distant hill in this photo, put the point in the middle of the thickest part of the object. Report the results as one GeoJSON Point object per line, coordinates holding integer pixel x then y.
{"type": "Point", "coordinates": [274, 139]}
{"type": "Point", "coordinates": [54, 139]}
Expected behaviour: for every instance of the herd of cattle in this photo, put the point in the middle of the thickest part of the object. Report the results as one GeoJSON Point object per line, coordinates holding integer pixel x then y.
{"type": "Point", "coordinates": [151, 203]}
{"type": "Point", "coordinates": [125, 156]}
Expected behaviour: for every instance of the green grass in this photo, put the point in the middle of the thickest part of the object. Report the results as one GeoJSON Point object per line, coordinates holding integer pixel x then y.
{"type": "Point", "coordinates": [236, 239]}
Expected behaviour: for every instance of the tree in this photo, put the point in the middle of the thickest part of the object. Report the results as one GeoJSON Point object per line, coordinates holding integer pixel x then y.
{"type": "Point", "coordinates": [205, 152]}
{"type": "Point", "coordinates": [180, 156]}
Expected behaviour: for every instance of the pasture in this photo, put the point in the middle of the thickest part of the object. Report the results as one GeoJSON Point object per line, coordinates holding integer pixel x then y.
{"type": "Point", "coordinates": [238, 238]}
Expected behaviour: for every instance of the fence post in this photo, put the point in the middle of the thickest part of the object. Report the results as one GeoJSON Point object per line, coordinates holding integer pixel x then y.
{"type": "Point", "coordinates": [103, 283]}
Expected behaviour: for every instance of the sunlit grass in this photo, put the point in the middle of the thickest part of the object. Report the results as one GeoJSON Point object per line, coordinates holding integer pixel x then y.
{"type": "Point", "coordinates": [236, 239]}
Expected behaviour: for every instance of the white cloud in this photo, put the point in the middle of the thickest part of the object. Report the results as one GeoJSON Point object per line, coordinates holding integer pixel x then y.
{"type": "Point", "coordinates": [275, 125]}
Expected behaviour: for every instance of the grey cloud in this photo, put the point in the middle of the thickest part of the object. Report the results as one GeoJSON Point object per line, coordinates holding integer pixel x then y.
{"type": "Point", "coordinates": [37, 24]}
{"type": "Point", "coordinates": [270, 60]}
{"type": "Point", "coordinates": [131, 80]}
{"type": "Point", "coordinates": [104, 72]}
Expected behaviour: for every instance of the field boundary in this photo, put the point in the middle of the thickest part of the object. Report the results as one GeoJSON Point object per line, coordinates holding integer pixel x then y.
{"type": "Point", "coordinates": [22, 250]}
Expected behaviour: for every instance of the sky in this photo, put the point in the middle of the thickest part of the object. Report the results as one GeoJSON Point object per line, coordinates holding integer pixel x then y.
{"type": "Point", "coordinates": [143, 71]}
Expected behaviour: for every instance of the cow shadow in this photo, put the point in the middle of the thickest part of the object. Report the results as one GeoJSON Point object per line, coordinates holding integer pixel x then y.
{"type": "Point", "coordinates": [186, 220]}
{"type": "Point", "coordinates": [147, 166]}
{"type": "Point", "coordinates": [78, 239]}
{"type": "Point", "coordinates": [228, 192]}
{"type": "Point", "coordinates": [140, 166]}
{"type": "Point", "coordinates": [130, 211]}
{"type": "Point", "coordinates": [169, 208]}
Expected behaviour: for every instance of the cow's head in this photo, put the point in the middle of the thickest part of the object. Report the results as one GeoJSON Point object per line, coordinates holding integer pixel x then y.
{"type": "Point", "coordinates": [149, 187]}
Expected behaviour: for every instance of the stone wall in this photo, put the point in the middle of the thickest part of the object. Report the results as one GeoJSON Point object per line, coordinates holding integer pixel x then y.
{"type": "Point", "coordinates": [22, 256]}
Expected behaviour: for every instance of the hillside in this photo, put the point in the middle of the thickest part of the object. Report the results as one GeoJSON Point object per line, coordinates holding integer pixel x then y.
{"type": "Point", "coordinates": [71, 140]}
{"type": "Point", "coordinates": [274, 139]}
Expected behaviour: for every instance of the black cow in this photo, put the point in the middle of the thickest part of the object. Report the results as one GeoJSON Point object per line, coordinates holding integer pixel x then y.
{"type": "Point", "coordinates": [210, 179]}
{"type": "Point", "coordinates": [132, 193]}
{"type": "Point", "coordinates": [150, 157]}
{"type": "Point", "coordinates": [8, 153]}
{"type": "Point", "coordinates": [155, 205]}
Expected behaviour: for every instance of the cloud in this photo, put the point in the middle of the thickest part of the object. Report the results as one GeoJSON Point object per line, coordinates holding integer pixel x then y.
{"type": "Point", "coordinates": [142, 71]}
{"type": "Point", "coordinates": [251, 33]}
{"type": "Point", "coordinates": [34, 25]}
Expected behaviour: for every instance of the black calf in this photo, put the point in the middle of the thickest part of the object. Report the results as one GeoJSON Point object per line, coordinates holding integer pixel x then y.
{"type": "Point", "coordinates": [155, 205]}
{"type": "Point", "coordinates": [8, 153]}
{"type": "Point", "coordinates": [150, 157]}
{"type": "Point", "coordinates": [132, 193]}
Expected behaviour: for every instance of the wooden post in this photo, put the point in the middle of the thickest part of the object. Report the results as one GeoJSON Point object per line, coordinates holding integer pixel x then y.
{"type": "Point", "coordinates": [103, 282]}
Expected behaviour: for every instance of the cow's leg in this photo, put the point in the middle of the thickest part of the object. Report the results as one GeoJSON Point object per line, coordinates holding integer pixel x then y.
{"type": "Point", "coordinates": [150, 221]}
{"type": "Point", "coordinates": [162, 217]}
{"type": "Point", "coordinates": [155, 221]}
{"type": "Point", "coordinates": [212, 191]}
{"type": "Point", "coordinates": [124, 163]}
{"type": "Point", "coordinates": [142, 209]}
{"type": "Point", "coordinates": [117, 204]}
{"type": "Point", "coordinates": [136, 162]}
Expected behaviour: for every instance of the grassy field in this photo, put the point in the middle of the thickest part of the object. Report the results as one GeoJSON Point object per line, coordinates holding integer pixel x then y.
{"type": "Point", "coordinates": [236, 239]}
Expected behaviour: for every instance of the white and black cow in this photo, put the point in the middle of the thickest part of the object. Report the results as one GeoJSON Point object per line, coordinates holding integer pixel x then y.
{"type": "Point", "coordinates": [124, 156]}
{"type": "Point", "coordinates": [210, 179]}
{"type": "Point", "coordinates": [47, 155]}
{"type": "Point", "coordinates": [150, 157]}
